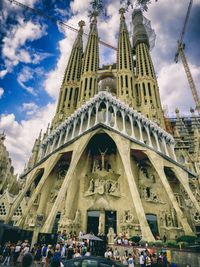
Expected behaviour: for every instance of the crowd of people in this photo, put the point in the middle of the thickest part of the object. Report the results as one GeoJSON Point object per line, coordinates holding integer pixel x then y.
{"type": "Point", "coordinates": [142, 258]}
{"type": "Point", "coordinates": [69, 247]}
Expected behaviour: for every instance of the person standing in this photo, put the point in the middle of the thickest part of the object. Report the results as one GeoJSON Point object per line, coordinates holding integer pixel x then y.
{"type": "Point", "coordinates": [6, 254]}
{"type": "Point", "coordinates": [16, 252]}
{"type": "Point", "coordinates": [164, 259]}
{"type": "Point", "coordinates": [148, 260]}
{"type": "Point", "coordinates": [142, 259]}
{"type": "Point", "coordinates": [48, 256]}
{"type": "Point", "coordinates": [130, 260]}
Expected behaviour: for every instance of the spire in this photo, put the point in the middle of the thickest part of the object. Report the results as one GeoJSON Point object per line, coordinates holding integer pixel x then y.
{"type": "Point", "coordinates": [68, 96]}
{"type": "Point", "coordinates": [90, 67]}
{"type": "Point", "coordinates": [139, 33]}
{"type": "Point", "coordinates": [147, 91]}
{"type": "Point", "coordinates": [35, 152]}
{"type": "Point", "coordinates": [125, 66]}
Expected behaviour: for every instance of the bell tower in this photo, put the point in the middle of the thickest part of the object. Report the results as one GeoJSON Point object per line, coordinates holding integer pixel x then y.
{"type": "Point", "coordinates": [68, 97]}
{"type": "Point", "coordinates": [88, 86]}
{"type": "Point", "coordinates": [147, 91]}
{"type": "Point", "coordinates": [125, 66]}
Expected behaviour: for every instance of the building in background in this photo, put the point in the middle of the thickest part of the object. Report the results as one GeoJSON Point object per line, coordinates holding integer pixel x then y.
{"type": "Point", "coordinates": [110, 158]}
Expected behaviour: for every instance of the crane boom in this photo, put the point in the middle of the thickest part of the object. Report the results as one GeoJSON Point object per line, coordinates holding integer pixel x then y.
{"type": "Point", "coordinates": [56, 21]}
{"type": "Point", "coordinates": [180, 51]}
{"type": "Point", "coordinates": [186, 21]}
{"type": "Point", "coordinates": [190, 79]}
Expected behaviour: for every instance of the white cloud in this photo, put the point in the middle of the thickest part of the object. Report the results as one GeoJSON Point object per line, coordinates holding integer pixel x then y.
{"type": "Point", "coordinates": [3, 73]}
{"type": "Point", "coordinates": [1, 92]}
{"type": "Point", "coordinates": [20, 136]}
{"type": "Point", "coordinates": [30, 108]}
{"type": "Point", "coordinates": [14, 48]}
{"type": "Point", "coordinates": [27, 74]}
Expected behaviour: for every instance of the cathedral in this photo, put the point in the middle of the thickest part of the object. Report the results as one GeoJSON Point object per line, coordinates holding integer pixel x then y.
{"type": "Point", "coordinates": [110, 158]}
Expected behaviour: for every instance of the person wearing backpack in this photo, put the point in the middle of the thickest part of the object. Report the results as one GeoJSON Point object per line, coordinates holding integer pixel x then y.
{"type": "Point", "coordinates": [130, 260]}
{"type": "Point", "coordinates": [55, 262]}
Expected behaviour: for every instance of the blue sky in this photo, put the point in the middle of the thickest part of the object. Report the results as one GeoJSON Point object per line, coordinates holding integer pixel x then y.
{"type": "Point", "coordinates": [34, 54]}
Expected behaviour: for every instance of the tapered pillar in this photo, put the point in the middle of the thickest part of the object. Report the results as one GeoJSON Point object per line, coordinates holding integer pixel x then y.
{"type": "Point", "coordinates": [29, 180]}
{"type": "Point", "coordinates": [124, 151]}
{"type": "Point", "coordinates": [48, 169]}
{"type": "Point", "coordinates": [77, 153]}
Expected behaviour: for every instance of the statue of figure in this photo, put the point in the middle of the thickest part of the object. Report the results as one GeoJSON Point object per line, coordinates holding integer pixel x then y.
{"type": "Point", "coordinates": [103, 158]}
{"type": "Point", "coordinates": [169, 220]}
{"type": "Point", "coordinates": [110, 236]}
{"type": "Point", "coordinates": [128, 217]}
{"type": "Point", "coordinates": [101, 188]}
{"type": "Point", "coordinates": [77, 217]}
{"type": "Point", "coordinates": [188, 202]}
{"type": "Point", "coordinates": [114, 188]}
{"type": "Point", "coordinates": [91, 186]}
{"type": "Point", "coordinates": [96, 185]}
{"type": "Point", "coordinates": [95, 165]}
{"type": "Point", "coordinates": [100, 227]}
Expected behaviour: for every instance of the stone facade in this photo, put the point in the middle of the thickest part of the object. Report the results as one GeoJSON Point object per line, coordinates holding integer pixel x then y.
{"type": "Point", "coordinates": [109, 158]}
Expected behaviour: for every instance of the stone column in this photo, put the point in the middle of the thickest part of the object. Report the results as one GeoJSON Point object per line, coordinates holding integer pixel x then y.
{"type": "Point", "coordinates": [149, 137]}
{"type": "Point", "coordinates": [60, 138]}
{"type": "Point", "coordinates": [77, 153]}
{"type": "Point", "coordinates": [157, 142]}
{"type": "Point", "coordinates": [81, 125]}
{"type": "Point", "coordinates": [29, 180]}
{"type": "Point", "coordinates": [124, 151]}
{"type": "Point", "coordinates": [124, 126]}
{"type": "Point", "coordinates": [66, 135]}
{"type": "Point", "coordinates": [140, 130]}
{"type": "Point", "coordinates": [132, 129]}
{"type": "Point", "coordinates": [165, 146]}
{"type": "Point", "coordinates": [106, 121]}
{"type": "Point", "coordinates": [51, 163]}
{"type": "Point", "coordinates": [115, 123]}
{"type": "Point", "coordinates": [97, 112]}
{"type": "Point", "coordinates": [158, 164]}
{"type": "Point", "coordinates": [89, 117]}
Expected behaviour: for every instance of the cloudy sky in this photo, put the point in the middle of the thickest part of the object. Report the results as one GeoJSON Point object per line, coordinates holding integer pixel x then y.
{"type": "Point", "coordinates": [34, 54]}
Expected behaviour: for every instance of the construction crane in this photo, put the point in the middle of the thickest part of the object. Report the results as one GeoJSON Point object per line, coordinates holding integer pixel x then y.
{"type": "Point", "coordinates": [180, 51]}
{"type": "Point", "coordinates": [56, 21]}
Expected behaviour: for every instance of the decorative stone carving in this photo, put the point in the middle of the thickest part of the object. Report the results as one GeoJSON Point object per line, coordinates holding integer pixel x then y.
{"type": "Point", "coordinates": [149, 195]}
{"type": "Point", "coordinates": [187, 200]}
{"type": "Point", "coordinates": [128, 223]}
{"type": "Point", "coordinates": [101, 186]}
{"type": "Point", "coordinates": [39, 220]}
{"type": "Point", "coordinates": [31, 220]}
{"type": "Point", "coordinates": [55, 190]}
{"type": "Point", "coordinates": [168, 219]}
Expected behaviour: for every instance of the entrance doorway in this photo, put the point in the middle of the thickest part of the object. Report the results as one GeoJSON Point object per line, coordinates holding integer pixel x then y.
{"type": "Point", "coordinates": [93, 221]}
{"type": "Point", "coordinates": [153, 224]}
{"type": "Point", "coordinates": [110, 220]}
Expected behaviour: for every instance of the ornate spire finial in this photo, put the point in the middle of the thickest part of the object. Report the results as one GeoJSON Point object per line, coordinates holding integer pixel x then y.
{"type": "Point", "coordinates": [94, 16]}
{"type": "Point", "coordinates": [122, 11]}
{"type": "Point", "coordinates": [81, 24]}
